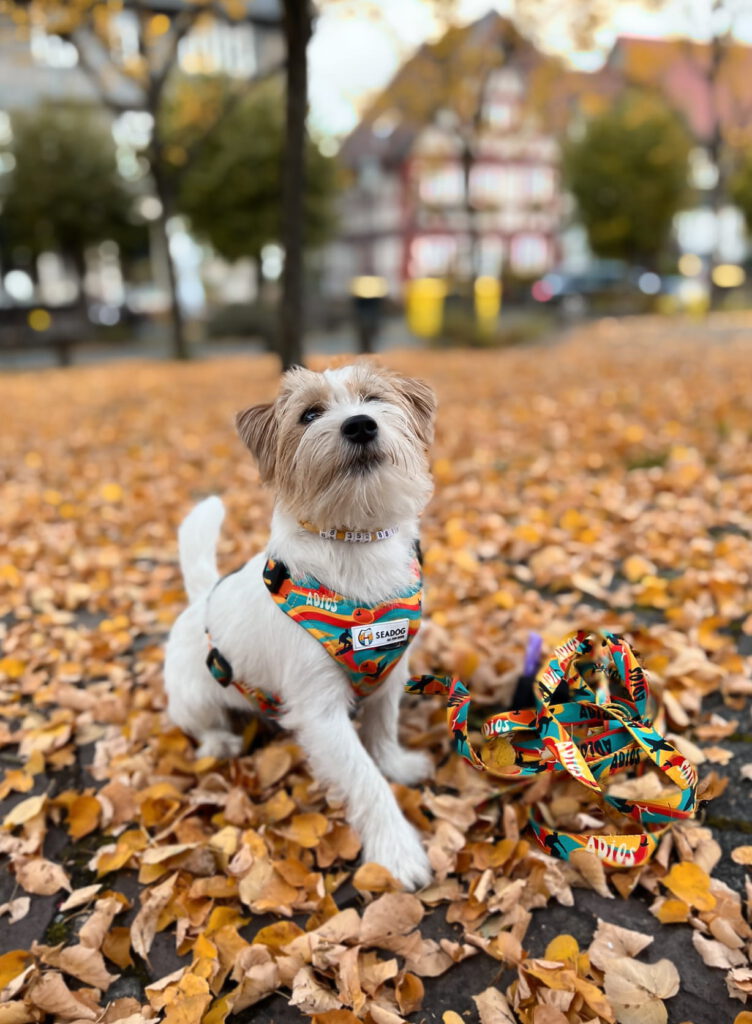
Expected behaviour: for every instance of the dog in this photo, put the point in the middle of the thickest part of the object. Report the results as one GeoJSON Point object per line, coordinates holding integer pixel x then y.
{"type": "Point", "coordinates": [346, 452]}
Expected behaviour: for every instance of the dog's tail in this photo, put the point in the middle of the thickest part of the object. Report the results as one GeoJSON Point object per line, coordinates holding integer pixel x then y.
{"type": "Point", "coordinates": [197, 543]}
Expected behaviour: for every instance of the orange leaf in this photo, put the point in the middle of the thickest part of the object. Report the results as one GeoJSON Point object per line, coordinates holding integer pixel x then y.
{"type": "Point", "coordinates": [374, 878]}
{"type": "Point", "coordinates": [83, 816]}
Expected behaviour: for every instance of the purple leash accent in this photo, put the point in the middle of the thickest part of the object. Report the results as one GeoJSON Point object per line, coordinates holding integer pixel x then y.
{"type": "Point", "coordinates": [533, 653]}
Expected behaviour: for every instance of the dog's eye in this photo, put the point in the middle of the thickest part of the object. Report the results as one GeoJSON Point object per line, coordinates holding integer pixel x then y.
{"type": "Point", "coordinates": [311, 414]}
{"type": "Point", "coordinates": [372, 398]}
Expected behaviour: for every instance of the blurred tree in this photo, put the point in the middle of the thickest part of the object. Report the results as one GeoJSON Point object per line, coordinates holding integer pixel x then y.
{"type": "Point", "coordinates": [629, 175]}
{"type": "Point", "coordinates": [129, 50]}
{"type": "Point", "coordinates": [64, 193]}
{"type": "Point", "coordinates": [741, 188]}
{"type": "Point", "coordinates": [298, 26]}
{"type": "Point", "coordinates": [231, 191]}
{"type": "Point", "coordinates": [723, 105]}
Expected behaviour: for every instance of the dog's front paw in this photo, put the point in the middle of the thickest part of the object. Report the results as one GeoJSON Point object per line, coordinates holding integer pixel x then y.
{"type": "Point", "coordinates": [401, 853]}
{"type": "Point", "coordinates": [407, 766]}
{"type": "Point", "coordinates": [219, 744]}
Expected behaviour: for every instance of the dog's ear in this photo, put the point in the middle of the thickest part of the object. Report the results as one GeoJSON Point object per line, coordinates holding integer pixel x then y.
{"type": "Point", "coordinates": [257, 427]}
{"type": "Point", "coordinates": [420, 401]}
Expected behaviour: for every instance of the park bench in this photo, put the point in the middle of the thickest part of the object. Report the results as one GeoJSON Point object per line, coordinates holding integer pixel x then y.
{"type": "Point", "coordinates": [59, 329]}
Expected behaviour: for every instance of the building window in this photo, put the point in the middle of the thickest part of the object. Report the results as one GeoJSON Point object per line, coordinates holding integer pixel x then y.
{"type": "Point", "coordinates": [218, 47]}
{"type": "Point", "coordinates": [501, 114]}
{"type": "Point", "coordinates": [432, 256]}
{"type": "Point", "coordinates": [529, 254]}
{"type": "Point", "coordinates": [441, 186]}
{"type": "Point", "coordinates": [540, 184]}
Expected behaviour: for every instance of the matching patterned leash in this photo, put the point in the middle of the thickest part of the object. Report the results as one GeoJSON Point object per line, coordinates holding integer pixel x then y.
{"type": "Point", "coordinates": [557, 735]}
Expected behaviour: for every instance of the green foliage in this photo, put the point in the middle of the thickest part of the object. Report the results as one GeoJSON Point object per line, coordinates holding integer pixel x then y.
{"type": "Point", "coordinates": [629, 176]}
{"type": "Point", "coordinates": [64, 192]}
{"type": "Point", "coordinates": [230, 168]}
{"type": "Point", "coordinates": [741, 189]}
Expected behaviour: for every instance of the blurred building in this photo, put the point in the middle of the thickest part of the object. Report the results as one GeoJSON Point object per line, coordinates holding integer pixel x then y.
{"type": "Point", "coordinates": [38, 66]}
{"type": "Point", "coordinates": [445, 181]}
{"type": "Point", "coordinates": [439, 190]}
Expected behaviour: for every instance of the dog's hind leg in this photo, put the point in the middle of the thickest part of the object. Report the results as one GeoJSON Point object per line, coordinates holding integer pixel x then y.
{"type": "Point", "coordinates": [379, 733]}
{"type": "Point", "coordinates": [195, 700]}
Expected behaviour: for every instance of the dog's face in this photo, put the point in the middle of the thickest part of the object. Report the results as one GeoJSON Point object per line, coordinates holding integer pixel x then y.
{"type": "Point", "coordinates": [346, 448]}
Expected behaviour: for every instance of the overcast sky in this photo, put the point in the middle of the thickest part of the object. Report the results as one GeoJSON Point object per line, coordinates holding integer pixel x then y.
{"type": "Point", "coordinates": [353, 56]}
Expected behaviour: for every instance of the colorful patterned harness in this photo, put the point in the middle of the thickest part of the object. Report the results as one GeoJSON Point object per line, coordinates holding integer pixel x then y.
{"type": "Point", "coordinates": [366, 640]}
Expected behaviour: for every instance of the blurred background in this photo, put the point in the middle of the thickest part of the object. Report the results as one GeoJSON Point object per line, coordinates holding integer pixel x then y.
{"type": "Point", "coordinates": [184, 176]}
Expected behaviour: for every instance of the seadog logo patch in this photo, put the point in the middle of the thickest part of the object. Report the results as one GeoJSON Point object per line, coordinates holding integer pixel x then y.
{"type": "Point", "coordinates": [394, 633]}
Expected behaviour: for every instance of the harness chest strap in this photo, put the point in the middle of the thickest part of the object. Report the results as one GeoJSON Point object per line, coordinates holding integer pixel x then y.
{"type": "Point", "coordinates": [365, 640]}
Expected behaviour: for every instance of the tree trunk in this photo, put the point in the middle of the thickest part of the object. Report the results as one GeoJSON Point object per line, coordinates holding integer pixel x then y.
{"type": "Point", "coordinates": [82, 305]}
{"type": "Point", "coordinates": [468, 161]}
{"type": "Point", "coordinates": [717, 153]}
{"type": "Point", "coordinates": [297, 21]}
{"type": "Point", "coordinates": [180, 348]}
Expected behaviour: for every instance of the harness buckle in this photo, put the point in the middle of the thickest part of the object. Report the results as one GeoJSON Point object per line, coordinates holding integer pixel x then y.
{"type": "Point", "coordinates": [219, 667]}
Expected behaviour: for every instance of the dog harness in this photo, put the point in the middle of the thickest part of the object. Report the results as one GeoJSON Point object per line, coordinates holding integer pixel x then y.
{"type": "Point", "coordinates": [366, 640]}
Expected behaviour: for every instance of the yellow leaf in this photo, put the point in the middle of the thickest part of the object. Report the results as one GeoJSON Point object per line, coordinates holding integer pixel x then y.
{"type": "Point", "coordinates": [450, 1017]}
{"type": "Point", "coordinates": [690, 883]}
{"type": "Point", "coordinates": [636, 568]}
{"type": "Point", "coordinates": [672, 912]}
{"type": "Point", "coordinates": [498, 753]}
{"type": "Point", "coordinates": [277, 935]}
{"type": "Point", "coordinates": [564, 948]}
{"type": "Point", "coordinates": [129, 843]}
{"type": "Point", "coordinates": [306, 829]}
{"type": "Point", "coordinates": [13, 668]}
{"type": "Point", "coordinates": [111, 492]}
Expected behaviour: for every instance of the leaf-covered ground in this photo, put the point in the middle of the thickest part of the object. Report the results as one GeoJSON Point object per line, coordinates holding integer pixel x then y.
{"type": "Point", "coordinates": [601, 481]}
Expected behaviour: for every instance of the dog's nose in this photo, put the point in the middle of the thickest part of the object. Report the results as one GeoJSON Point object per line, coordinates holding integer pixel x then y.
{"type": "Point", "coordinates": [360, 429]}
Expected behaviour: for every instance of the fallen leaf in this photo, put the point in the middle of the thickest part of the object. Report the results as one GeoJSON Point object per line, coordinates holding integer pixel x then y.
{"type": "Point", "coordinates": [50, 994]}
{"type": "Point", "coordinates": [636, 991]}
{"type": "Point", "coordinates": [12, 964]}
{"type": "Point", "coordinates": [564, 948]}
{"type": "Point", "coordinates": [390, 915]}
{"type": "Point", "coordinates": [16, 909]}
{"type": "Point", "coordinates": [493, 1007]}
{"type": "Point", "coordinates": [144, 927]}
{"type": "Point", "coordinates": [716, 954]}
{"type": "Point", "coordinates": [42, 877]}
{"type": "Point", "coordinates": [78, 961]}
{"type": "Point", "coordinates": [374, 878]}
{"type": "Point", "coordinates": [691, 884]}
{"type": "Point", "coordinates": [611, 941]}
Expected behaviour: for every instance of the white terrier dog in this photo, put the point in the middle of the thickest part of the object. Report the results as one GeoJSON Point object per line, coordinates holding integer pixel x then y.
{"type": "Point", "coordinates": [346, 452]}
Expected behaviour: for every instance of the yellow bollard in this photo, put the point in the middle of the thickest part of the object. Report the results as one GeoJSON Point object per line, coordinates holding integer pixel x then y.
{"type": "Point", "coordinates": [425, 306]}
{"type": "Point", "coordinates": [487, 302]}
